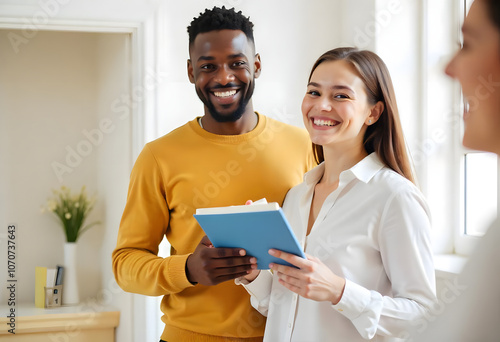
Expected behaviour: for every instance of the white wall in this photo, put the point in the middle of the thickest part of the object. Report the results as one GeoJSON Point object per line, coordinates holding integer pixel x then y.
{"type": "Point", "coordinates": [114, 163]}
{"type": "Point", "coordinates": [55, 89]}
{"type": "Point", "coordinates": [48, 97]}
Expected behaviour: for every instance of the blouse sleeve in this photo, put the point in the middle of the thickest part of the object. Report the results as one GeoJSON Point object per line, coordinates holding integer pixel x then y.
{"type": "Point", "coordinates": [259, 290]}
{"type": "Point", "coordinates": [405, 248]}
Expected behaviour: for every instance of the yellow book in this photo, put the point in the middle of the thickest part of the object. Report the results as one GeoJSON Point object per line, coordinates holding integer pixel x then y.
{"type": "Point", "coordinates": [40, 283]}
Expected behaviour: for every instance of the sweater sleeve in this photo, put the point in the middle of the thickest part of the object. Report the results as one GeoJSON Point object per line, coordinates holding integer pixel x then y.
{"type": "Point", "coordinates": [136, 265]}
{"type": "Point", "coordinates": [404, 240]}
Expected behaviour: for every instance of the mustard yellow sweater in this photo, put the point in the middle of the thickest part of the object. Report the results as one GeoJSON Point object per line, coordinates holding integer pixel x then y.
{"type": "Point", "coordinates": [191, 168]}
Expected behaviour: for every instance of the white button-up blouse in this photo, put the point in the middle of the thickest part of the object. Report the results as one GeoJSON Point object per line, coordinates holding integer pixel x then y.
{"type": "Point", "coordinates": [373, 230]}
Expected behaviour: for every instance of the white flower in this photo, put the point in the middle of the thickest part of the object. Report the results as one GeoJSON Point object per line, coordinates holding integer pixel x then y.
{"type": "Point", "coordinates": [64, 205]}
{"type": "Point", "coordinates": [52, 205]}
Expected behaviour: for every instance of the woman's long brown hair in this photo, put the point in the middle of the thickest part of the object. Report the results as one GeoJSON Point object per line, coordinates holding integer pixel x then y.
{"type": "Point", "coordinates": [385, 137]}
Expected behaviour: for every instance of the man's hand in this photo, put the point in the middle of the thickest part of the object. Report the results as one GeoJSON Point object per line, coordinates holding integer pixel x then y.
{"type": "Point", "coordinates": [211, 266]}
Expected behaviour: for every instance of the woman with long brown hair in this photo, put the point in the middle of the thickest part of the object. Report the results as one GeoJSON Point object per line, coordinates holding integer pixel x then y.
{"type": "Point", "coordinates": [363, 224]}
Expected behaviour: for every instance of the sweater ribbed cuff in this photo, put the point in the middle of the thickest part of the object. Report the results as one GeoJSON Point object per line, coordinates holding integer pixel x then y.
{"type": "Point", "coordinates": [177, 272]}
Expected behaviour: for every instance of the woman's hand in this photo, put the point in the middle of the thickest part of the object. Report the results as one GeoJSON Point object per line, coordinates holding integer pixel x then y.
{"type": "Point", "coordinates": [312, 279]}
{"type": "Point", "coordinates": [252, 275]}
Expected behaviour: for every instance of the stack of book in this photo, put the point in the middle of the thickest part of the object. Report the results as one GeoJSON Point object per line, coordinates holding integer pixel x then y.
{"type": "Point", "coordinates": [48, 286]}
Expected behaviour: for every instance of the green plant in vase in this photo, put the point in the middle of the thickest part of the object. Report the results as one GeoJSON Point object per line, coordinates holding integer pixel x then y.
{"type": "Point", "coordinates": [72, 211]}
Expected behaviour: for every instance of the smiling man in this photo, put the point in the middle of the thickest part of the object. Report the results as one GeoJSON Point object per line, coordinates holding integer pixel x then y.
{"type": "Point", "coordinates": [224, 157]}
{"type": "Point", "coordinates": [223, 66]}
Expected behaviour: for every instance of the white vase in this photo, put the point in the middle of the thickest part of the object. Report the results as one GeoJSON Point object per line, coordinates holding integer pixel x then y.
{"type": "Point", "coordinates": [70, 282]}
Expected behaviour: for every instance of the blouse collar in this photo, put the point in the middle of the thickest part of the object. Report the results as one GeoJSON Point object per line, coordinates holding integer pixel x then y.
{"type": "Point", "coordinates": [364, 170]}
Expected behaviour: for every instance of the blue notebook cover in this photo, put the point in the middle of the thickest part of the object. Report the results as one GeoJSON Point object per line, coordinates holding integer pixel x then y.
{"type": "Point", "coordinates": [255, 229]}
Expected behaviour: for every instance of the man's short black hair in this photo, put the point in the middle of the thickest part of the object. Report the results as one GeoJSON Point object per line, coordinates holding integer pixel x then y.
{"type": "Point", "coordinates": [220, 19]}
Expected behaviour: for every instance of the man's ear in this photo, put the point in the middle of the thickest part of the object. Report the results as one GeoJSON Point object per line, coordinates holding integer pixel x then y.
{"type": "Point", "coordinates": [190, 71]}
{"type": "Point", "coordinates": [375, 113]}
{"type": "Point", "coordinates": [257, 65]}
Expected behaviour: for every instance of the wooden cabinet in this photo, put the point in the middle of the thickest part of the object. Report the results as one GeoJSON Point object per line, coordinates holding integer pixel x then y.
{"type": "Point", "coordinates": [72, 323]}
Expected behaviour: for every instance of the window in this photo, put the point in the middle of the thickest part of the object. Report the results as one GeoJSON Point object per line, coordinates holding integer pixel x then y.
{"type": "Point", "coordinates": [460, 185]}
{"type": "Point", "coordinates": [480, 192]}
{"type": "Point", "coordinates": [478, 183]}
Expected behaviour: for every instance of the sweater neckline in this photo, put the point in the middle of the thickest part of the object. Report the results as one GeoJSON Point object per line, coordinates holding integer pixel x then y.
{"type": "Point", "coordinates": [229, 139]}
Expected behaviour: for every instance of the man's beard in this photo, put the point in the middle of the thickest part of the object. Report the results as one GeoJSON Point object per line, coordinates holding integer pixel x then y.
{"type": "Point", "coordinates": [234, 116]}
